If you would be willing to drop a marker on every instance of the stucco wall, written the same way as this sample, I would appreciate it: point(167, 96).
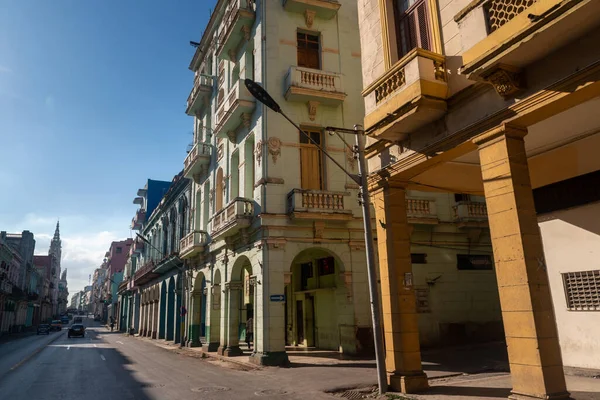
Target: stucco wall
point(572, 243)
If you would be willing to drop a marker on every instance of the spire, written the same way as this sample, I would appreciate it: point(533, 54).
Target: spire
point(57, 231)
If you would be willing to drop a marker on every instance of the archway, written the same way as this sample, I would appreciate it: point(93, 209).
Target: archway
point(198, 312)
point(213, 329)
point(170, 309)
point(242, 305)
point(317, 310)
point(163, 308)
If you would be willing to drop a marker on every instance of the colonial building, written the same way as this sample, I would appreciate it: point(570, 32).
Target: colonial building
point(496, 99)
point(154, 270)
point(276, 227)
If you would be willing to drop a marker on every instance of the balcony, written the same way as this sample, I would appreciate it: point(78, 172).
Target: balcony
point(167, 263)
point(137, 247)
point(232, 218)
point(470, 214)
point(235, 26)
point(325, 9)
point(123, 286)
point(197, 160)
point(138, 220)
point(307, 84)
point(421, 212)
point(235, 110)
point(145, 274)
point(201, 92)
point(193, 244)
point(318, 204)
point(503, 37)
point(409, 96)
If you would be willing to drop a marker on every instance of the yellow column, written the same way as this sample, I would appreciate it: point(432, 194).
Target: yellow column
point(529, 322)
point(400, 319)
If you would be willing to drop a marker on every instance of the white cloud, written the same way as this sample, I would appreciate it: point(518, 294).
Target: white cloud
point(84, 242)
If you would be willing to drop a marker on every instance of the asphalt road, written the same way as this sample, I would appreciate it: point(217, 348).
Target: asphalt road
point(106, 365)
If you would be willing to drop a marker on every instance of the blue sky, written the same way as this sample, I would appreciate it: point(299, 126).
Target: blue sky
point(92, 103)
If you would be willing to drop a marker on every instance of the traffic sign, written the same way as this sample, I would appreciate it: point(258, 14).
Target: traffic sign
point(278, 297)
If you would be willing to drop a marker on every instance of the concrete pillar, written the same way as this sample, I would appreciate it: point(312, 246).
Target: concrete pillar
point(527, 312)
point(213, 319)
point(155, 319)
point(142, 319)
point(269, 313)
point(399, 309)
point(194, 311)
point(234, 294)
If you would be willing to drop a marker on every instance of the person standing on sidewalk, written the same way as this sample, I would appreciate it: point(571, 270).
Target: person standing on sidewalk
point(249, 331)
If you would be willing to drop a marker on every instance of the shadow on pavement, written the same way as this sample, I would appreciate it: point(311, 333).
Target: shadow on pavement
point(470, 360)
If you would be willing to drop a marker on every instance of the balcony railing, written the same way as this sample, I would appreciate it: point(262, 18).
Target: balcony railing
point(145, 273)
point(236, 24)
point(324, 9)
point(138, 220)
point(318, 204)
point(193, 244)
point(407, 97)
point(466, 212)
point(421, 211)
point(236, 215)
point(203, 86)
point(137, 246)
point(236, 109)
point(305, 84)
point(197, 159)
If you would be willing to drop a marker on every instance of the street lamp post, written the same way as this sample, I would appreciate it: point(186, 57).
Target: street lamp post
point(263, 96)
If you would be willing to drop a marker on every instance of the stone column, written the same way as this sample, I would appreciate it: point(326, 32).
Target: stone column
point(399, 309)
point(142, 318)
point(194, 312)
point(213, 319)
point(525, 299)
point(234, 293)
point(269, 313)
point(155, 319)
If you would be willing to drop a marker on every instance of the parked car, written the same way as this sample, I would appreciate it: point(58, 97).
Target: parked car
point(78, 320)
point(56, 325)
point(81, 313)
point(43, 329)
point(64, 320)
point(97, 318)
point(76, 330)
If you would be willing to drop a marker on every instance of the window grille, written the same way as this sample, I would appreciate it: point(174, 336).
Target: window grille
point(582, 290)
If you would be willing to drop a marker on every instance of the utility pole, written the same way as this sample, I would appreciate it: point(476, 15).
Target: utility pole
point(261, 95)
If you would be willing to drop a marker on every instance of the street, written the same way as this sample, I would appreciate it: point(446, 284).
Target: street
point(110, 365)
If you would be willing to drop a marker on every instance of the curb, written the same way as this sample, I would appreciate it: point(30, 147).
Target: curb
point(186, 351)
point(35, 352)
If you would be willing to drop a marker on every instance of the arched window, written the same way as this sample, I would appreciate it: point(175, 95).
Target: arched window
point(183, 218)
point(219, 191)
point(173, 230)
point(165, 237)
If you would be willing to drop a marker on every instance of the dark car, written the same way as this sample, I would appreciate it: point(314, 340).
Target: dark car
point(76, 330)
point(78, 320)
point(43, 328)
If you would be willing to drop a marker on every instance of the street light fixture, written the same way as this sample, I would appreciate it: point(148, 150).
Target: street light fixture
point(263, 96)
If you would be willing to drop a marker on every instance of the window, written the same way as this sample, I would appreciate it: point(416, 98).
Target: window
point(119, 250)
point(474, 262)
point(412, 26)
point(309, 51)
point(311, 161)
point(458, 197)
point(326, 266)
point(418, 258)
point(582, 290)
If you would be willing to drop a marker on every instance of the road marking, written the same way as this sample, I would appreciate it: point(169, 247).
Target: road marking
point(95, 346)
point(68, 347)
point(119, 342)
point(23, 361)
point(102, 357)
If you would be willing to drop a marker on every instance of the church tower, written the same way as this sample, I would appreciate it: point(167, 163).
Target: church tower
point(56, 246)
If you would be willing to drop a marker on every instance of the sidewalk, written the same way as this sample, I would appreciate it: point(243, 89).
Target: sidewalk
point(468, 372)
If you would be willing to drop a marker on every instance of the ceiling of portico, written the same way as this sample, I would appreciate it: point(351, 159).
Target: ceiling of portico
point(558, 148)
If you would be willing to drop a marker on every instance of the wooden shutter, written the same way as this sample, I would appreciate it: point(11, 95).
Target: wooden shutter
point(412, 27)
point(311, 162)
